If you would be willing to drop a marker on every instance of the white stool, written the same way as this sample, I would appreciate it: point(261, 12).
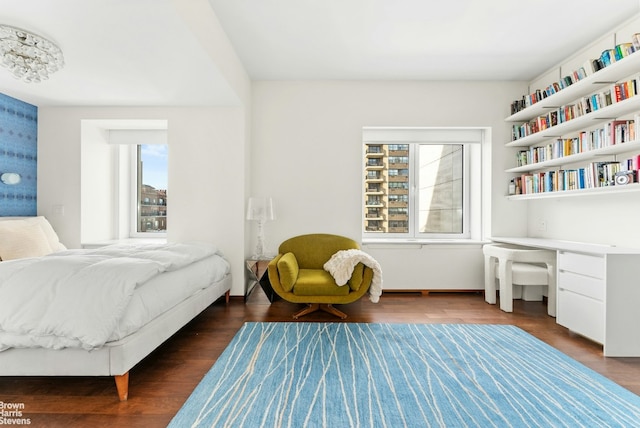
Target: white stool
point(532, 270)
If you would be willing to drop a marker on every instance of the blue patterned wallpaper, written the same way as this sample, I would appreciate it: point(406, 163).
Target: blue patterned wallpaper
point(18, 153)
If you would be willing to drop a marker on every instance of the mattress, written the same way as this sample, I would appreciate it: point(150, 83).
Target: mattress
point(167, 290)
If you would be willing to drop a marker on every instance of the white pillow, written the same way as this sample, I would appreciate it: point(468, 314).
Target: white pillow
point(52, 236)
point(20, 239)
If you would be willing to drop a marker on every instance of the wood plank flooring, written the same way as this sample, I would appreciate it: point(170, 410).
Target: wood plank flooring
point(162, 382)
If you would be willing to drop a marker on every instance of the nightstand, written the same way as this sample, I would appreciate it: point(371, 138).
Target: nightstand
point(256, 272)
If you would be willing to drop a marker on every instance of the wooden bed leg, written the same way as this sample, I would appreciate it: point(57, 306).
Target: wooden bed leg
point(122, 385)
point(227, 296)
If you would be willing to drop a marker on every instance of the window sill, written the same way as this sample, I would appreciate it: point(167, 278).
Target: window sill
point(420, 243)
point(100, 244)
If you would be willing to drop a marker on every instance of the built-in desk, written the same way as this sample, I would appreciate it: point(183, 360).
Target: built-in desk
point(598, 293)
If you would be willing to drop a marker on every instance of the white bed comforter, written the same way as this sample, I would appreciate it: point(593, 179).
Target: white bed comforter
point(74, 298)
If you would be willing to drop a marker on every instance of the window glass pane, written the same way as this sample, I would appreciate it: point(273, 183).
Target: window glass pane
point(152, 188)
point(440, 188)
point(386, 188)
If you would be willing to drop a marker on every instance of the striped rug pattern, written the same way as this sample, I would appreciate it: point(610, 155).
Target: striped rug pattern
point(401, 375)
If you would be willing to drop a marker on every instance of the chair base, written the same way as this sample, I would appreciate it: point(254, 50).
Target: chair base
point(313, 307)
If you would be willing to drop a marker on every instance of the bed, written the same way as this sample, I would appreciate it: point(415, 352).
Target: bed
point(136, 295)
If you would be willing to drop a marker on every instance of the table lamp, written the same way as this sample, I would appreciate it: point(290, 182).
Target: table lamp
point(260, 209)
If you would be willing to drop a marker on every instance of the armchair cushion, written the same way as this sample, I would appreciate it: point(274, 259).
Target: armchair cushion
point(317, 282)
point(288, 270)
point(357, 277)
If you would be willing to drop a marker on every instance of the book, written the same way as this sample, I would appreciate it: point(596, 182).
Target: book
point(581, 178)
point(549, 181)
point(622, 131)
point(635, 40)
point(617, 91)
point(623, 50)
point(598, 64)
point(605, 57)
point(589, 67)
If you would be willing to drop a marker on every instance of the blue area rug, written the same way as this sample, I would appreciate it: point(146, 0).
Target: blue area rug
point(401, 375)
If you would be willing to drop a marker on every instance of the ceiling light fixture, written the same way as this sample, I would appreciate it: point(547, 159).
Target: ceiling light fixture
point(28, 56)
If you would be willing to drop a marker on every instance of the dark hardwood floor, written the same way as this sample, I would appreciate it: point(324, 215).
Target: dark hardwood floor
point(161, 383)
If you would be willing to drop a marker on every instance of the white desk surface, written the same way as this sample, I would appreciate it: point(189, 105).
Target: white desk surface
point(554, 244)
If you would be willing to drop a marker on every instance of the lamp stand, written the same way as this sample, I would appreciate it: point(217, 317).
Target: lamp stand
point(259, 254)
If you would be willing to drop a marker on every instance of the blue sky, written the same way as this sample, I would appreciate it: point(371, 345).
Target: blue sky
point(154, 161)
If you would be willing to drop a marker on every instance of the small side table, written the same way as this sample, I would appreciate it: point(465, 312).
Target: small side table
point(255, 272)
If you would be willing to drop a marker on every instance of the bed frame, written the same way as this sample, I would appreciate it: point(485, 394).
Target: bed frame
point(115, 358)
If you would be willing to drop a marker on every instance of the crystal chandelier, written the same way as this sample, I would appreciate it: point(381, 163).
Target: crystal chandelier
point(28, 56)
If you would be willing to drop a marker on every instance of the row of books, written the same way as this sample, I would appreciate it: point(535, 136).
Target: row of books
point(612, 133)
point(607, 57)
point(540, 94)
point(594, 175)
point(585, 105)
point(623, 90)
point(623, 50)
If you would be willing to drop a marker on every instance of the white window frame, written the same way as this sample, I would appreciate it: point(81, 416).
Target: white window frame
point(471, 139)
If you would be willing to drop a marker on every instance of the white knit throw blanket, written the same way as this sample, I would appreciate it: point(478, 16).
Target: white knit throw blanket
point(341, 266)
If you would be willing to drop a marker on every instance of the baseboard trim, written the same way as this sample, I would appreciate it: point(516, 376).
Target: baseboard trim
point(426, 292)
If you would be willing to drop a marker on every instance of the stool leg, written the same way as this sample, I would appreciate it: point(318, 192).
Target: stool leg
point(489, 280)
point(506, 285)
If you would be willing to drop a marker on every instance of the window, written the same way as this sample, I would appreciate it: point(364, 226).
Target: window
point(123, 177)
point(150, 188)
point(418, 183)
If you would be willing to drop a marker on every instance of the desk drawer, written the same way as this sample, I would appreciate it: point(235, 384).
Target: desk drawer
point(580, 284)
point(581, 314)
point(583, 264)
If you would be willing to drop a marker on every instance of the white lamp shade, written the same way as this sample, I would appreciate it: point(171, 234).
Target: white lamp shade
point(260, 208)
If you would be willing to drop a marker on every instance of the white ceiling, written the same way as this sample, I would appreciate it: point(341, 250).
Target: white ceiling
point(117, 53)
point(140, 52)
point(413, 39)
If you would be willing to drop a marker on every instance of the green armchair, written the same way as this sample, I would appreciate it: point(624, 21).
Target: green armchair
point(297, 274)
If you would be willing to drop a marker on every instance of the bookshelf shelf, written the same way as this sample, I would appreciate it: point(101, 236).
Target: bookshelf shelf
point(579, 192)
point(607, 76)
point(580, 157)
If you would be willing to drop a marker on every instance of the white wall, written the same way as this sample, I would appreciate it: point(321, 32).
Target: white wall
point(307, 154)
point(97, 191)
point(602, 219)
point(206, 173)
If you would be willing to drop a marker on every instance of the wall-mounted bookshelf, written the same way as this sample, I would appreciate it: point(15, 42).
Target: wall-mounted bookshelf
point(590, 102)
